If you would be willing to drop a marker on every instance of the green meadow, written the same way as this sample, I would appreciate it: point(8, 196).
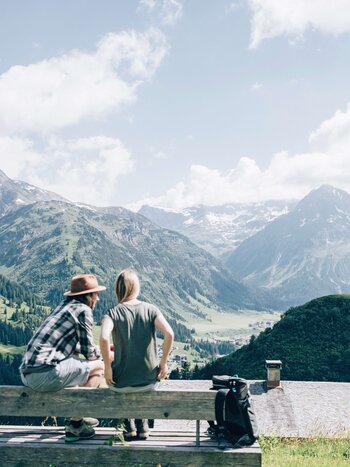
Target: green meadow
point(309, 452)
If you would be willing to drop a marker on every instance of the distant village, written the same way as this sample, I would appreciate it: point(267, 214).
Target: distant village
point(179, 356)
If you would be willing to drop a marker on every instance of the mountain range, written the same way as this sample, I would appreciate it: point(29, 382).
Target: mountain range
point(278, 254)
point(303, 254)
point(44, 243)
point(218, 229)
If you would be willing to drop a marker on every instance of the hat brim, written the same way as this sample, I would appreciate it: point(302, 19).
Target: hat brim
point(100, 288)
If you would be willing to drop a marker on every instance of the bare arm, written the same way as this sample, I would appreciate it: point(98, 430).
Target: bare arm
point(164, 327)
point(106, 329)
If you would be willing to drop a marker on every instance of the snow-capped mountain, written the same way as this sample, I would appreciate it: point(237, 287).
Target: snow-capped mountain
point(218, 229)
point(303, 254)
point(14, 193)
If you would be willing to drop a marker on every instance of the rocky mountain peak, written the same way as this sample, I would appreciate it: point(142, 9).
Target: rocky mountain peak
point(15, 193)
point(324, 202)
point(3, 177)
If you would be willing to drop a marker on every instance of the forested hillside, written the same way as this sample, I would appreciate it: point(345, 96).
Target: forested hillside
point(21, 312)
point(312, 340)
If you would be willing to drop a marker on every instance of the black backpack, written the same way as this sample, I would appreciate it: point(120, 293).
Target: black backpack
point(236, 423)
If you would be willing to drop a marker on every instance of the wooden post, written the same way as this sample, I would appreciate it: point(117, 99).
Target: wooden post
point(198, 425)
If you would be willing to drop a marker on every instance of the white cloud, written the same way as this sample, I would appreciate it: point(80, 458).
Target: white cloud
point(287, 176)
point(62, 91)
point(234, 6)
point(15, 153)
point(333, 135)
point(160, 155)
point(150, 4)
point(256, 86)
point(167, 11)
point(85, 169)
point(291, 18)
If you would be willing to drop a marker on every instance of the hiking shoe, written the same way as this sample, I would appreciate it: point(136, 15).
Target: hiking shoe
point(88, 420)
point(84, 431)
point(130, 429)
point(91, 421)
point(142, 428)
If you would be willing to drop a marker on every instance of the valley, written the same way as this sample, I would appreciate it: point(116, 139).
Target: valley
point(273, 255)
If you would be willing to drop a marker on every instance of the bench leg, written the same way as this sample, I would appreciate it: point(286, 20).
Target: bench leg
point(198, 425)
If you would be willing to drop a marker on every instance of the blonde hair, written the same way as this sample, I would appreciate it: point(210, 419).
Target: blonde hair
point(127, 285)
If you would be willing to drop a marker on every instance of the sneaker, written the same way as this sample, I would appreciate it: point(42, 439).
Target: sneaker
point(142, 428)
point(91, 421)
point(84, 431)
point(88, 420)
point(130, 429)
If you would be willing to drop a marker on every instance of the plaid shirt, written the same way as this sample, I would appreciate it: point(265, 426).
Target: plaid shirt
point(67, 330)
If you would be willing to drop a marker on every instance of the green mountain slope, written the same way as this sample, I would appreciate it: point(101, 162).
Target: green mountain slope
point(43, 244)
point(20, 313)
point(312, 340)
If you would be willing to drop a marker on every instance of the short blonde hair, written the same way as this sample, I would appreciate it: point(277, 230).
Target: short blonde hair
point(127, 285)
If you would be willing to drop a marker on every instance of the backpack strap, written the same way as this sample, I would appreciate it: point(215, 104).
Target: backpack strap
point(220, 407)
point(220, 400)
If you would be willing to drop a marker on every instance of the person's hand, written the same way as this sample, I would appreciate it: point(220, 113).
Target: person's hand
point(163, 371)
point(109, 375)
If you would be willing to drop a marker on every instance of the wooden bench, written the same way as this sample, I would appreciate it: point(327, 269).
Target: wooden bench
point(170, 443)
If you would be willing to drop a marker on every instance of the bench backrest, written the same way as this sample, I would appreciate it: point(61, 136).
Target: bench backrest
point(103, 403)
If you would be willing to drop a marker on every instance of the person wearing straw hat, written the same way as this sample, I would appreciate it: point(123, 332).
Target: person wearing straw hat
point(51, 360)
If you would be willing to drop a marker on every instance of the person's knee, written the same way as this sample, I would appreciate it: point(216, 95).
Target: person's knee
point(97, 372)
point(96, 368)
point(96, 365)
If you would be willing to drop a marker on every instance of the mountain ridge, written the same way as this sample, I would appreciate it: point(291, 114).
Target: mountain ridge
point(218, 229)
point(302, 254)
point(15, 193)
point(44, 244)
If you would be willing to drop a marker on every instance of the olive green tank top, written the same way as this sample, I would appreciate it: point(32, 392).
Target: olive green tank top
point(135, 349)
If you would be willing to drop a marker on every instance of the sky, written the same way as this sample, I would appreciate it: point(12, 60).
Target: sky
point(175, 102)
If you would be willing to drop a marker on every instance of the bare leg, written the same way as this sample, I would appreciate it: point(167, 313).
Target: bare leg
point(96, 374)
point(95, 377)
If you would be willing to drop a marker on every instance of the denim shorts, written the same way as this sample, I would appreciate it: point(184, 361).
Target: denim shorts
point(69, 372)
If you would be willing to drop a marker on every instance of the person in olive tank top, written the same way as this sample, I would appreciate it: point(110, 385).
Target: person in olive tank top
point(135, 365)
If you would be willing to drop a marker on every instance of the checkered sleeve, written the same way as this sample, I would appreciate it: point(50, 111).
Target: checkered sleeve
point(86, 339)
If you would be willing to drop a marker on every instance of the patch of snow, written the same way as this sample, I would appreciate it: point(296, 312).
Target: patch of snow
point(172, 210)
point(189, 221)
point(32, 188)
point(85, 206)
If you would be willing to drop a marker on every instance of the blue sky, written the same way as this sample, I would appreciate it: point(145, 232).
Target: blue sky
point(175, 102)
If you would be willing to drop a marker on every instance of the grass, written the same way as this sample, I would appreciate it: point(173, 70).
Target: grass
point(308, 452)
point(228, 324)
point(11, 349)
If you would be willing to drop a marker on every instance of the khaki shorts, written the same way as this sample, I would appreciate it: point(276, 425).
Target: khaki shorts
point(69, 372)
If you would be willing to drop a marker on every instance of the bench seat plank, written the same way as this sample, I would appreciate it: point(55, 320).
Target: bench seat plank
point(41, 447)
point(103, 403)
point(171, 443)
